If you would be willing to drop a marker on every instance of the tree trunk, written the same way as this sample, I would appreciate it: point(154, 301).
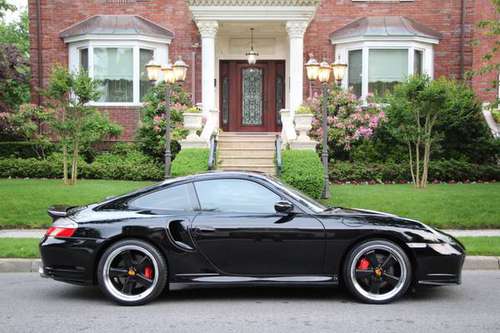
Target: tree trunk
point(65, 164)
point(411, 163)
point(74, 164)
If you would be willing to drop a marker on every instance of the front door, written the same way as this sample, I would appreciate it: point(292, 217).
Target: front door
point(251, 95)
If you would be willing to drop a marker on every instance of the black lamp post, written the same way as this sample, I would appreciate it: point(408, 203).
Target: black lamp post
point(321, 71)
point(171, 74)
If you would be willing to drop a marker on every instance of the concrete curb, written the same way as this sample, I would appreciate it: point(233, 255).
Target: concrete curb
point(17, 265)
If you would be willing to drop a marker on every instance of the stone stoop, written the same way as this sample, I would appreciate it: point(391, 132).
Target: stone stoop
point(246, 152)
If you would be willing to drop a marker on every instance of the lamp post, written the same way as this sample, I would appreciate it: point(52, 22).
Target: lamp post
point(171, 74)
point(321, 71)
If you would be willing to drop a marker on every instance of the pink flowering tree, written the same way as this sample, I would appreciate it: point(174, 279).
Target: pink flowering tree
point(151, 133)
point(349, 120)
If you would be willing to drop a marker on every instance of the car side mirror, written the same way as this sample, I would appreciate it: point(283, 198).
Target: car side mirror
point(283, 207)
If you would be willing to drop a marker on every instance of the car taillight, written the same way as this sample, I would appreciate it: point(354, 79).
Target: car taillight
point(60, 232)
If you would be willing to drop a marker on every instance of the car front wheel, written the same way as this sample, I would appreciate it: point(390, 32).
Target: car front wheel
point(377, 271)
point(132, 272)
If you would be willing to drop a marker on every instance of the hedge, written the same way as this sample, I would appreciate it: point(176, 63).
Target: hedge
point(303, 170)
point(24, 149)
point(439, 171)
point(190, 161)
point(133, 166)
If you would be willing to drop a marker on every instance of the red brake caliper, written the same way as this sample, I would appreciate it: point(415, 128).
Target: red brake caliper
point(148, 272)
point(363, 264)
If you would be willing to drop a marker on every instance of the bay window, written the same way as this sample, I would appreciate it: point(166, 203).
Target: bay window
point(119, 67)
point(376, 68)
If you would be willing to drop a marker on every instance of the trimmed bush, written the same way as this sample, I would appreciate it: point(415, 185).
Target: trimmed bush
point(190, 161)
point(303, 170)
point(24, 149)
point(442, 170)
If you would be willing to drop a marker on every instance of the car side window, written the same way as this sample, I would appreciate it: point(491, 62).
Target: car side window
point(171, 198)
point(236, 196)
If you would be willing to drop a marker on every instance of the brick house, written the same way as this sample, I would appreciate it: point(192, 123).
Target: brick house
point(382, 41)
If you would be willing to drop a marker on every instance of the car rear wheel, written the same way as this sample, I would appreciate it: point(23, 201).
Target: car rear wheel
point(377, 272)
point(132, 272)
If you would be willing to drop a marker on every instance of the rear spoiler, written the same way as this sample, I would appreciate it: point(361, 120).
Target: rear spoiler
point(58, 211)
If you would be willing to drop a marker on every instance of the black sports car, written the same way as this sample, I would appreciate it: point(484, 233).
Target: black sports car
point(241, 228)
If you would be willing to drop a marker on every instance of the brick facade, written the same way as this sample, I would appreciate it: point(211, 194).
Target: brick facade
point(451, 55)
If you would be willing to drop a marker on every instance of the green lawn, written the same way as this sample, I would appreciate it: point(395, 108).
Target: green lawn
point(23, 203)
point(28, 247)
point(461, 206)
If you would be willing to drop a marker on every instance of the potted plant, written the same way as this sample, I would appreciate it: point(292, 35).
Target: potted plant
point(193, 121)
point(303, 122)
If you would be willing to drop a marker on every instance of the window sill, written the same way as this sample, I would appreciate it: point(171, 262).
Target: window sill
point(116, 104)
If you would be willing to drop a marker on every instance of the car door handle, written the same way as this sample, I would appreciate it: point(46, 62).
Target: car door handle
point(204, 229)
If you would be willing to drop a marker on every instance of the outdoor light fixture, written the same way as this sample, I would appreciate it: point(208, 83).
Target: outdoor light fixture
point(312, 69)
point(153, 70)
point(171, 74)
point(251, 55)
point(322, 73)
point(339, 70)
point(180, 70)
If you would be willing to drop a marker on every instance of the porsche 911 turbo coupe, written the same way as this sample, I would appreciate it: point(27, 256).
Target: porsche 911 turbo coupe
point(241, 229)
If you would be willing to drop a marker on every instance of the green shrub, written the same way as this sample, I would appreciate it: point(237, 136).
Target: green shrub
point(132, 166)
point(442, 170)
point(190, 161)
point(303, 170)
point(25, 149)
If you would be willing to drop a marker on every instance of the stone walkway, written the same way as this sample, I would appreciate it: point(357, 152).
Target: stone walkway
point(38, 233)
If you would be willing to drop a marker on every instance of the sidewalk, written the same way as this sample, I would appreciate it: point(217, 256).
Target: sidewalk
point(38, 233)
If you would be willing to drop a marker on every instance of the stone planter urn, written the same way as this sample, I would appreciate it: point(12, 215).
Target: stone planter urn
point(303, 123)
point(193, 121)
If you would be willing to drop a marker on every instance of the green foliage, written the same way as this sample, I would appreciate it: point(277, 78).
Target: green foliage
point(132, 165)
point(25, 149)
point(151, 133)
point(496, 115)
point(303, 170)
point(439, 171)
point(77, 124)
point(190, 161)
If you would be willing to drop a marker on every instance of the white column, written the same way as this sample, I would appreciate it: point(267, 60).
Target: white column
point(208, 30)
point(296, 30)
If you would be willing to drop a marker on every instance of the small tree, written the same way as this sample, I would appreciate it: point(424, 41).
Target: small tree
point(76, 123)
point(415, 110)
point(151, 133)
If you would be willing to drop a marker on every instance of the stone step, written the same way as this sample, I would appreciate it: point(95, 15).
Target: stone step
point(270, 170)
point(246, 152)
point(246, 144)
point(238, 160)
point(246, 138)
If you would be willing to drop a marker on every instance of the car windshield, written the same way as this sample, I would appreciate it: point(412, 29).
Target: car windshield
point(299, 196)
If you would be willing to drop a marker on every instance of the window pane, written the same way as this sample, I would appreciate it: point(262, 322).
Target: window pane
point(417, 63)
point(252, 103)
point(174, 198)
point(355, 71)
point(114, 68)
point(386, 68)
point(235, 195)
point(84, 59)
point(145, 56)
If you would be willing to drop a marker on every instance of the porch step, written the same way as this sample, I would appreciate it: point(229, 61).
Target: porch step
point(246, 152)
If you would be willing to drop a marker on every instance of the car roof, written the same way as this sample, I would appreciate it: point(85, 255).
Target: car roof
point(217, 174)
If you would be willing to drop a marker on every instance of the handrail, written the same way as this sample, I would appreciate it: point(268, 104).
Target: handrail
point(278, 155)
point(212, 152)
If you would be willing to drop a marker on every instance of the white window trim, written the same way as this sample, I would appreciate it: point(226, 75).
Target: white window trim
point(342, 51)
point(160, 55)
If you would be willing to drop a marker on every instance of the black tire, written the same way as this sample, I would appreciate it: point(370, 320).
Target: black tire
point(375, 284)
point(137, 286)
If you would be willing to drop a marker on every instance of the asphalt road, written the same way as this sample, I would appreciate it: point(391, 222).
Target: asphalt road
point(32, 304)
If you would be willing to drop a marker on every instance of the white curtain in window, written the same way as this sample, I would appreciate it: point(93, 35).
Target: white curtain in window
point(387, 65)
point(113, 63)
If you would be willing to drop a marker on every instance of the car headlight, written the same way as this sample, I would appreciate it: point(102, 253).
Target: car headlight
point(443, 248)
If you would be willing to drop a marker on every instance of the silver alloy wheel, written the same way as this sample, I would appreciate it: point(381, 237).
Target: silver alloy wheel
point(112, 288)
point(396, 289)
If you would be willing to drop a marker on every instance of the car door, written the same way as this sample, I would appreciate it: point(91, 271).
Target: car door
point(239, 231)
